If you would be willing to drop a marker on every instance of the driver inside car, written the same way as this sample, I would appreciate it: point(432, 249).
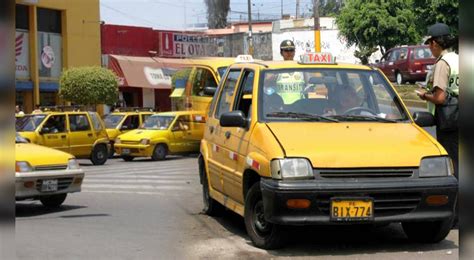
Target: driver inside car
point(343, 99)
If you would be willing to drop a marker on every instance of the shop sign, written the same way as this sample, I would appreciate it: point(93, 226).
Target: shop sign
point(156, 76)
point(22, 61)
point(184, 45)
point(50, 56)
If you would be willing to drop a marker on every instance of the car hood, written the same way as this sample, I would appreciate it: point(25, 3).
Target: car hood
point(138, 134)
point(40, 155)
point(353, 145)
point(112, 133)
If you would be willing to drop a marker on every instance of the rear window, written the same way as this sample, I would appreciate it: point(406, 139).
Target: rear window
point(422, 53)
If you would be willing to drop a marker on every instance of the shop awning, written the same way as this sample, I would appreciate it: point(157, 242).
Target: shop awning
point(144, 72)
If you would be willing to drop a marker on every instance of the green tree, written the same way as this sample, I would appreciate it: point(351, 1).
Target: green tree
point(89, 86)
point(377, 23)
point(429, 12)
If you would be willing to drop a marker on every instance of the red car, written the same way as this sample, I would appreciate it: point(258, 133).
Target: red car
point(406, 63)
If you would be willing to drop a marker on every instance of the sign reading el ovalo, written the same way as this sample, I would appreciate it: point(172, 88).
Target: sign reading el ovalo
point(49, 55)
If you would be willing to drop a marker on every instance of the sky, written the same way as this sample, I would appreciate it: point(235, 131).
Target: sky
point(174, 14)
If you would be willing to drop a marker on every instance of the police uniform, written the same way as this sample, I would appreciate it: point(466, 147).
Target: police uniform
point(289, 86)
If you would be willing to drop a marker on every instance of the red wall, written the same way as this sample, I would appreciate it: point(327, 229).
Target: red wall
point(128, 40)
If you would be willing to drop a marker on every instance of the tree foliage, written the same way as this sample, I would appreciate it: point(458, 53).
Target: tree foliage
point(429, 12)
point(89, 86)
point(217, 11)
point(378, 23)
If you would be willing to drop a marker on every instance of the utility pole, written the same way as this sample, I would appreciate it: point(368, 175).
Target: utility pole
point(184, 10)
point(250, 28)
point(317, 32)
point(281, 6)
point(297, 8)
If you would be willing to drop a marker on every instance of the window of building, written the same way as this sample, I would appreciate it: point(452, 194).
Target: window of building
point(21, 17)
point(49, 20)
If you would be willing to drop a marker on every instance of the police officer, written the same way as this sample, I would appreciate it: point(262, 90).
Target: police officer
point(444, 79)
point(287, 50)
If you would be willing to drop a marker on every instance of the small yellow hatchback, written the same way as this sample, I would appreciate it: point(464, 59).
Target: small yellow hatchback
point(165, 133)
point(81, 134)
point(315, 142)
point(118, 123)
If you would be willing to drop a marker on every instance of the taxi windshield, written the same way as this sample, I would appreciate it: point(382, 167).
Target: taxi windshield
point(29, 123)
point(329, 95)
point(157, 122)
point(112, 121)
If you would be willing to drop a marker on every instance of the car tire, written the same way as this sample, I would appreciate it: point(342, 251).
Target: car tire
point(399, 78)
point(263, 234)
point(159, 153)
point(427, 232)
point(211, 206)
point(99, 154)
point(53, 201)
point(127, 158)
point(112, 151)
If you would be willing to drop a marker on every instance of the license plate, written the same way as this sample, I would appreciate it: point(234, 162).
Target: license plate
point(125, 151)
point(352, 209)
point(49, 185)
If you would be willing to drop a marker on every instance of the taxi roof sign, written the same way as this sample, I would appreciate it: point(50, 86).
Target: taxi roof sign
point(244, 58)
point(317, 58)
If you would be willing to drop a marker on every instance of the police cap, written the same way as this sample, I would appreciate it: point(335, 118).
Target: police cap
point(436, 30)
point(287, 45)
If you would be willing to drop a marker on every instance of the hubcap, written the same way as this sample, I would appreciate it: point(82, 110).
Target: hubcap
point(261, 224)
point(399, 78)
point(100, 155)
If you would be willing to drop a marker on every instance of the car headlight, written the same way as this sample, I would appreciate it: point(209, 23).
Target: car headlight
point(23, 167)
point(145, 141)
point(291, 168)
point(72, 164)
point(436, 167)
point(117, 140)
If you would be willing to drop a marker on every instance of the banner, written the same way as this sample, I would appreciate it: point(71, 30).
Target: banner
point(50, 55)
point(22, 61)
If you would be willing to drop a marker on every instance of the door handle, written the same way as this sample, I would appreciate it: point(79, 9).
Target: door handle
point(63, 136)
point(211, 129)
point(90, 135)
point(227, 134)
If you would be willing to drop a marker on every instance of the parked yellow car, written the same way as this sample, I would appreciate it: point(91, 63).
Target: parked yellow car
point(118, 123)
point(162, 134)
point(82, 134)
point(315, 142)
point(45, 174)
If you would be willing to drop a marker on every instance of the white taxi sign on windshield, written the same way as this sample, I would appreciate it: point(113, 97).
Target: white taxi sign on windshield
point(317, 58)
point(244, 58)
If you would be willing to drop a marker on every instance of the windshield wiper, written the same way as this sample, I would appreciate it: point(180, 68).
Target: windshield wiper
point(304, 116)
point(365, 118)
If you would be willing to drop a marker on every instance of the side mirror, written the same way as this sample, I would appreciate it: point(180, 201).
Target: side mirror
point(44, 130)
point(233, 119)
point(424, 119)
point(209, 91)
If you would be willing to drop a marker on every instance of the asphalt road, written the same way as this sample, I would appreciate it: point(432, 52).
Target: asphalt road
point(152, 210)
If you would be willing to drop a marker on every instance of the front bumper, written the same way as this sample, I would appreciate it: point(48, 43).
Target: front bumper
point(394, 200)
point(134, 150)
point(68, 181)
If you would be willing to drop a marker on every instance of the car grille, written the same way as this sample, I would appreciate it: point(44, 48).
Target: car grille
point(63, 183)
point(51, 167)
point(130, 142)
point(366, 173)
point(385, 204)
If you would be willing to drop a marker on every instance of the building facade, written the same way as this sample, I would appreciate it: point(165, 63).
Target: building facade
point(52, 36)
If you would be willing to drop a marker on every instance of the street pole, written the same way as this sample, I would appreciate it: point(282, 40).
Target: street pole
point(297, 8)
point(250, 28)
point(281, 7)
point(317, 32)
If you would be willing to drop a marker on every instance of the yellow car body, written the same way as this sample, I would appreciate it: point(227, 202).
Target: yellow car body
point(197, 74)
point(313, 161)
point(44, 173)
point(81, 134)
point(162, 134)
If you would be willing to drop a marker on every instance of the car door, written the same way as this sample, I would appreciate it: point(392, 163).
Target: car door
point(81, 136)
point(214, 134)
point(203, 77)
point(236, 139)
point(180, 130)
point(198, 123)
point(53, 133)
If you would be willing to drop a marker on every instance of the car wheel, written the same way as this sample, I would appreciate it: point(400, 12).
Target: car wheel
point(99, 154)
point(159, 153)
point(427, 232)
point(399, 78)
point(53, 201)
point(211, 206)
point(112, 151)
point(127, 158)
point(262, 233)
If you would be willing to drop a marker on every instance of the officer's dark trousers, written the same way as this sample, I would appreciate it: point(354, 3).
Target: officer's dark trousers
point(450, 142)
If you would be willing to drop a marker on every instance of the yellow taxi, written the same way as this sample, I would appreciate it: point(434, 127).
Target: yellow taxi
point(81, 134)
point(122, 121)
point(45, 174)
point(162, 134)
point(196, 81)
point(316, 142)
